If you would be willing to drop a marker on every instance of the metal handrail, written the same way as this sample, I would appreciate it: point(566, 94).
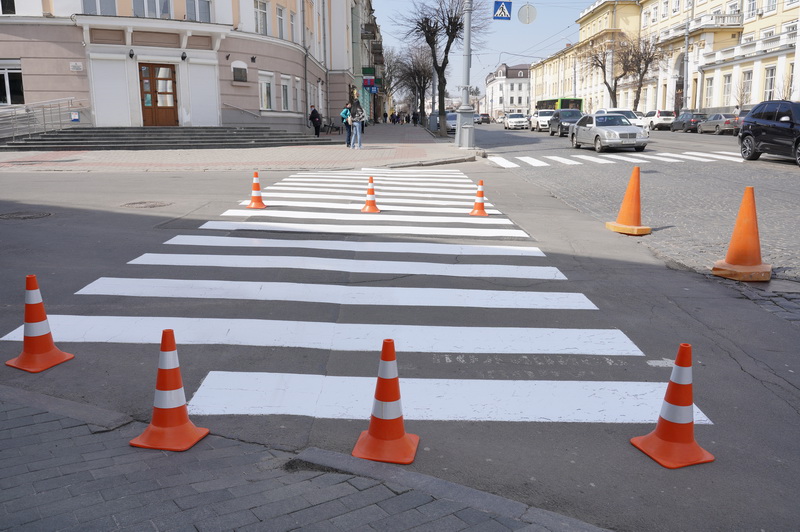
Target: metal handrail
point(254, 115)
point(40, 117)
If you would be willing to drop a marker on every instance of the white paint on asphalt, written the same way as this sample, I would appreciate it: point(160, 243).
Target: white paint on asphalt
point(593, 159)
point(717, 156)
point(501, 161)
point(351, 265)
point(533, 162)
point(385, 206)
point(360, 216)
point(666, 159)
point(691, 157)
point(358, 247)
point(562, 160)
point(626, 158)
point(270, 195)
point(382, 186)
point(366, 229)
point(381, 178)
point(395, 194)
point(338, 336)
point(330, 397)
point(336, 294)
point(663, 363)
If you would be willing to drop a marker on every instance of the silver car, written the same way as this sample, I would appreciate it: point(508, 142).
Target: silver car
point(540, 120)
point(607, 131)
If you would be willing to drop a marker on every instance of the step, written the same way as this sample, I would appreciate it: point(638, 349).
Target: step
point(158, 146)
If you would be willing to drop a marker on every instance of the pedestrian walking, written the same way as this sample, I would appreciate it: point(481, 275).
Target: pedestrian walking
point(358, 116)
point(315, 119)
point(736, 111)
point(385, 117)
point(347, 121)
point(415, 118)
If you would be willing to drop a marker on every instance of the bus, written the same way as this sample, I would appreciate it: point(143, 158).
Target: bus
point(561, 103)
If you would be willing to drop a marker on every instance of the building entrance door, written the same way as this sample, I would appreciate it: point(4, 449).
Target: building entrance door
point(159, 94)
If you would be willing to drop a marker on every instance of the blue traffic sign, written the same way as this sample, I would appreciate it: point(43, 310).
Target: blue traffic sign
point(502, 10)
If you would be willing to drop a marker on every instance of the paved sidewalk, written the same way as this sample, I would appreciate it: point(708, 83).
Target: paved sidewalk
point(383, 145)
point(68, 466)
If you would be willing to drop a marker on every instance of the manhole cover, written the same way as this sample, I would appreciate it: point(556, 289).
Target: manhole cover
point(146, 204)
point(23, 215)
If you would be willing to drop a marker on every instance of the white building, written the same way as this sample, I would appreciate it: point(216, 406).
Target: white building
point(508, 91)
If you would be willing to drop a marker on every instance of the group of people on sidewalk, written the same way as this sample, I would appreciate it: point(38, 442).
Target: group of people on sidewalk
point(353, 117)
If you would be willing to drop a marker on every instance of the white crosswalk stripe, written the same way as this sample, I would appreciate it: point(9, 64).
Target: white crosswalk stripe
point(593, 159)
point(667, 158)
point(505, 163)
point(562, 160)
point(626, 158)
point(533, 162)
point(717, 156)
point(604, 158)
point(691, 157)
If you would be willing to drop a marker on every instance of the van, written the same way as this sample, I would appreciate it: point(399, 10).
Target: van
point(659, 119)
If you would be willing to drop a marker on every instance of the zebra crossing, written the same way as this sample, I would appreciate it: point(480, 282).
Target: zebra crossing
point(316, 249)
point(612, 158)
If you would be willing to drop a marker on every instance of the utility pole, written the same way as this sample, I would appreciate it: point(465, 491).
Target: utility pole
point(465, 128)
point(689, 18)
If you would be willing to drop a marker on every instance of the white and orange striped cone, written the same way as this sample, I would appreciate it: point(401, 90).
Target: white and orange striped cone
point(370, 205)
point(477, 209)
point(38, 350)
point(387, 440)
point(672, 444)
point(170, 428)
point(256, 201)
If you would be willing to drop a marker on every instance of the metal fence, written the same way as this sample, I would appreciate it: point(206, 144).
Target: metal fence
point(17, 121)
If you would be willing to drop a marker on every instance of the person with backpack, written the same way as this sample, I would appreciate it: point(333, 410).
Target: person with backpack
point(347, 121)
point(316, 120)
point(358, 116)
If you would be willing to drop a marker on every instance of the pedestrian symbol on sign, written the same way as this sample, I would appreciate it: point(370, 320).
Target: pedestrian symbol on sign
point(502, 10)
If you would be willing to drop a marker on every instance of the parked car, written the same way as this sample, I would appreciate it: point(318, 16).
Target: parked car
point(476, 119)
point(605, 131)
point(516, 121)
point(452, 121)
point(540, 119)
point(501, 119)
point(485, 118)
point(632, 117)
point(719, 124)
point(687, 122)
point(560, 121)
point(771, 127)
point(659, 119)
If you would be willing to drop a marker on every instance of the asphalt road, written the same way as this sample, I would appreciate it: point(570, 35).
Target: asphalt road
point(745, 374)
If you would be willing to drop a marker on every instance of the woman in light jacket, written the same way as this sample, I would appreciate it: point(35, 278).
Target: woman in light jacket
point(359, 116)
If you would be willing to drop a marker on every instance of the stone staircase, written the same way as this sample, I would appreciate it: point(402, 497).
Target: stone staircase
point(160, 138)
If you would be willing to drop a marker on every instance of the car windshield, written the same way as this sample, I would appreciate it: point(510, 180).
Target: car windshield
point(628, 114)
point(451, 116)
point(545, 113)
point(699, 116)
point(571, 113)
point(516, 115)
point(612, 120)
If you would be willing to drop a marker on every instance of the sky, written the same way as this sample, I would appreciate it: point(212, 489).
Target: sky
point(508, 41)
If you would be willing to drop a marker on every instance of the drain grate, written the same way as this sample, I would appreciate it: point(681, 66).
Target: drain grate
point(24, 215)
point(146, 204)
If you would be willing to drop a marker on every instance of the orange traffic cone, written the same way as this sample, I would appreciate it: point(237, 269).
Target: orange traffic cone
point(370, 205)
point(743, 260)
point(477, 208)
point(256, 201)
point(672, 444)
point(387, 440)
point(629, 219)
point(170, 429)
point(38, 350)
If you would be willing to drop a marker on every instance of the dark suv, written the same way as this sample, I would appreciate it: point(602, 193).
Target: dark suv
point(561, 119)
point(771, 127)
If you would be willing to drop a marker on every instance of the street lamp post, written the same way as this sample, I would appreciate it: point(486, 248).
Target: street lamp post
point(465, 128)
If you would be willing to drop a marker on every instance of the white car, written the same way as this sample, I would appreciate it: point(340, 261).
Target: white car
point(516, 121)
point(659, 119)
point(452, 121)
point(540, 121)
point(634, 119)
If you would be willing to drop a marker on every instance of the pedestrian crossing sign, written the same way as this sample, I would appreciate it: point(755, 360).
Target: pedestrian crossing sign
point(502, 10)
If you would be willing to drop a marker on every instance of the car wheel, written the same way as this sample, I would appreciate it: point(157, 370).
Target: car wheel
point(797, 154)
point(748, 149)
point(685, 128)
point(551, 132)
point(672, 128)
point(652, 126)
point(598, 146)
point(638, 148)
point(574, 140)
point(699, 129)
point(717, 130)
point(561, 133)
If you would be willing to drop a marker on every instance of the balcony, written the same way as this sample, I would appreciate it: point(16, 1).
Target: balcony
point(703, 23)
point(768, 44)
point(369, 31)
point(377, 47)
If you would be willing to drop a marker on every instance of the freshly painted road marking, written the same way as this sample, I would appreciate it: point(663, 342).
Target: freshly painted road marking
point(732, 153)
point(626, 158)
point(659, 158)
point(358, 247)
point(593, 159)
point(691, 157)
point(382, 186)
point(393, 194)
point(366, 229)
point(336, 294)
point(338, 336)
point(269, 195)
point(562, 160)
point(343, 216)
point(329, 397)
point(417, 181)
point(351, 265)
point(717, 156)
point(505, 163)
point(533, 162)
point(384, 206)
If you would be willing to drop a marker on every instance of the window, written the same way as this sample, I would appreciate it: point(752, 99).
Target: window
point(750, 9)
point(297, 85)
point(784, 111)
point(665, 11)
point(152, 8)
point(747, 86)
point(280, 22)
point(262, 17)
point(7, 7)
point(750, 37)
point(726, 89)
point(292, 28)
point(511, 100)
point(769, 83)
point(790, 82)
point(11, 84)
point(265, 90)
point(709, 91)
point(199, 10)
point(239, 69)
point(770, 5)
point(285, 94)
point(790, 27)
point(768, 32)
point(95, 7)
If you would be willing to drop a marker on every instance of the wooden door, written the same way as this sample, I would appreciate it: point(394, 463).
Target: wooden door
point(159, 94)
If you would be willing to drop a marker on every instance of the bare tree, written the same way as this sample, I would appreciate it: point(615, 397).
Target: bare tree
point(391, 66)
point(607, 57)
point(414, 74)
point(638, 57)
point(440, 24)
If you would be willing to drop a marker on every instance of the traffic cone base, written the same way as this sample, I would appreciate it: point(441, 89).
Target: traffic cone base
point(760, 272)
point(370, 208)
point(400, 451)
point(669, 454)
point(633, 230)
point(38, 362)
point(170, 438)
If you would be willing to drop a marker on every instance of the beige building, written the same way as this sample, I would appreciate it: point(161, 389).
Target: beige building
point(508, 90)
point(739, 52)
point(190, 62)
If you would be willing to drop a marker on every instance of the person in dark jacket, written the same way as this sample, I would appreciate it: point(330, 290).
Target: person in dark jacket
point(345, 114)
point(315, 119)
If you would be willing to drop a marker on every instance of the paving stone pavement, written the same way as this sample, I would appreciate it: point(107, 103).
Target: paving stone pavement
point(66, 466)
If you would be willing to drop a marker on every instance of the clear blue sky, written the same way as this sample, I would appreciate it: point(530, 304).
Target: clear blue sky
point(510, 42)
